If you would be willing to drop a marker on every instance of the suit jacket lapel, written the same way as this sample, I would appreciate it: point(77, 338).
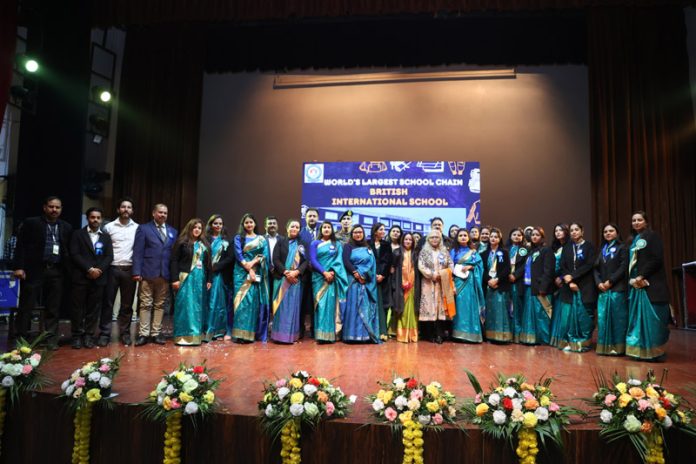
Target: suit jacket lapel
point(88, 241)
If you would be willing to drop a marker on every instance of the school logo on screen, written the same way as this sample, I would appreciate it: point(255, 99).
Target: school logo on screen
point(314, 173)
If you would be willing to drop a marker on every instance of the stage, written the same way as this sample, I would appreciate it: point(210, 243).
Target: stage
point(40, 429)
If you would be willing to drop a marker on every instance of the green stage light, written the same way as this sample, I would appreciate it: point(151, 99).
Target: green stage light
point(31, 65)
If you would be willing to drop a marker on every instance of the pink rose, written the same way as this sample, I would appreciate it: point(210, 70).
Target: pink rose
point(104, 368)
point(280, 383)
point(390, 414)
point(175, 404)
point(477, 398)
point(609, 399)
point(330, 408)
point(26, 369)
point(553, 407)
point(36, 357)
point(527, 395)
point(417, 394)
point(643, 405)
point(80, 382)
point(203, 378)
point(437, 419)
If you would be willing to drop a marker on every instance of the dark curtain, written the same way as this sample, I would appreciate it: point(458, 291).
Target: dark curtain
point(8, 34)
point(129, 12)
point(158, 122)
point(642, 126)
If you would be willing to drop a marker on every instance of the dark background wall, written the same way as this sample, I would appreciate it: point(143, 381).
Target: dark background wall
point(530, 135)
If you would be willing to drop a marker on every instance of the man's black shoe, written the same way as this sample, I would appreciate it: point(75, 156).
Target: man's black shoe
point(89, 342)
point(159, 339)
point(126, 339)
point(103, 340)
point(140, 341)
point(77, 343)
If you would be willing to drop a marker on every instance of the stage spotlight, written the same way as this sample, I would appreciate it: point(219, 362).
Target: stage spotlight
point(28, 64)
point(102, 95)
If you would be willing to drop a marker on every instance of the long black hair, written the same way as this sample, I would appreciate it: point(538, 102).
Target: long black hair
point(209, 226)
point(556, 244)
point(332, 237)
point(241, 232)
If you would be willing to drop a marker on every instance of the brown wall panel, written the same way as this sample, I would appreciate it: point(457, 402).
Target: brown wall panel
point(530, 135)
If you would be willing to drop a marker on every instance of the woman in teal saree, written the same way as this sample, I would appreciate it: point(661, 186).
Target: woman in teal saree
point(470, 301)
point(222, 259)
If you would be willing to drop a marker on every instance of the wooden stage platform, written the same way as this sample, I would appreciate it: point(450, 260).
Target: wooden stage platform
point(40, 430)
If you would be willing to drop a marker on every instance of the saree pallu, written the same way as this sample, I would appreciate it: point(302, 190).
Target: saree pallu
point(190, 301)
point(329, 298)
point(360, 319)
point(466, 325)
point(572, 325)
point(287, 298)
point(535, 319)
point(612, 323)
point(406, 322)
point(251, 298)
point(498, 325)
point(218, 297)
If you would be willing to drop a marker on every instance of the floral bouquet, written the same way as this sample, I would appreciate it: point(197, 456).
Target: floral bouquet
point(408, 403)
point(288, 403)
point(90, 383)
point(187, 391)
point(20, 370)
point(517, 409)
point(640, 410)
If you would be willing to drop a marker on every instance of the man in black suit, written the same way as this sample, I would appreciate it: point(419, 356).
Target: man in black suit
point(41, 263)
point(91, 252)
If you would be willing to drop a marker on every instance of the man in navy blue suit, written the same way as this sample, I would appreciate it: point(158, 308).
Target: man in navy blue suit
point(152, 249)
point(307, 235)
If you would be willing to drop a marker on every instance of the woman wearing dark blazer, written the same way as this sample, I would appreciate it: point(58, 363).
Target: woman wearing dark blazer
point(383, 255)
point(539, 286)
point(518, 258)
point(648, 300)
point(190, 272)
point(498, 326)
point(572, 323)
point(610, 279)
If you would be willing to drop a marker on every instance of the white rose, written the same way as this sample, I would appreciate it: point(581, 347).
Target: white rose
point(494, 399)
point(423, 419)
point(190, 385)
point(105, 360)
point(161, 386)
point(269, 410)
point(499, 417)
point(667, 422)
point(34, 362)
point(160, 400)
point(296, 409)
point(397, 381)
point(634, 382)
point(353, 399)
point(309, 390)
point(542, 414)
point(282, 392)
point(16, 370)
point(401, 386)
point(7, 381)
point(105, 382)
point(94, 376)
point(509, 392)
point(517, 403)
point(311, 409)
point(6, 368)
point(377, 405)
point(400, 402)
point(605, 416)
point(191, 408)
point(304, 373)
point(170, 390)
point(414, 404)
point(65, 385)
point(69, 391)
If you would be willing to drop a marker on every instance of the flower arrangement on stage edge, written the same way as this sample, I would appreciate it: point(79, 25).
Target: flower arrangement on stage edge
point(409, 404)
point(186, 391)
point(640, 410)
point(515, 409)
point(20, 370)
point(300, 399)
point(88, 385)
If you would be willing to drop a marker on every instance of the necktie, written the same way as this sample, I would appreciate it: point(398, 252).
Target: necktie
point(163, 232)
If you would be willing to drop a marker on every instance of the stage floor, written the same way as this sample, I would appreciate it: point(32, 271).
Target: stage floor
point(356, 368)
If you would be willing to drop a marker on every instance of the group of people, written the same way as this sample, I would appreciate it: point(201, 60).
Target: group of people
point(466, 285)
